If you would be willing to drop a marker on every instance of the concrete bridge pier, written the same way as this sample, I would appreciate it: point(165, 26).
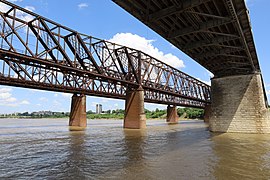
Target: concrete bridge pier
point(207, 113)
point(172, 116)
point(134, 109)
point(77, 118)
point(239, 105)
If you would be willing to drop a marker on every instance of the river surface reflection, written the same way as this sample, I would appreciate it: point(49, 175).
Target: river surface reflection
point(46, 149)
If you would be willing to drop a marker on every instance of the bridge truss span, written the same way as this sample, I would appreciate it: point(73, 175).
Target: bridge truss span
point(38, 53)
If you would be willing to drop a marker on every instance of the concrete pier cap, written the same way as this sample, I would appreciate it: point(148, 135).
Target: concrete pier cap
point(77, 118)
point(238, 104)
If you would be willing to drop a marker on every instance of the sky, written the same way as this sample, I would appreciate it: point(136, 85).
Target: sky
point(105, 20)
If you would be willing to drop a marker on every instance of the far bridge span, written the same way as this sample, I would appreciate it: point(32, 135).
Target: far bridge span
point(38, 53)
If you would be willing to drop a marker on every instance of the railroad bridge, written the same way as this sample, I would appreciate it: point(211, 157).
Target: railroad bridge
point(38, 53)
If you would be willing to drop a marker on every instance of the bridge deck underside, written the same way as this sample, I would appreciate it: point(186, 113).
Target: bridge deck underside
point(215, 33)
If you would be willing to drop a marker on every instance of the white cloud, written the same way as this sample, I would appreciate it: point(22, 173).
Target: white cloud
point(43, 99)
point(67, 95)
point(268, 92)
point(82, 5)
point(5, 95)
point(30, 8)
point(4, 7)
point(5, 90)
point(140, 43)
point(6, 98)
point(24, 102)
point(20, 14)
point(11, 99)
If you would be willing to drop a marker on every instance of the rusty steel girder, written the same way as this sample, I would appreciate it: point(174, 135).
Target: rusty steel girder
point(38, 53)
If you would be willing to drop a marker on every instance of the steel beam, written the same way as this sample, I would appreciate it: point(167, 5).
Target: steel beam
point(202, 26)
point(215, 40)
point(239, 28)
point(185, 4)
point(214, 53)
point(206, 15)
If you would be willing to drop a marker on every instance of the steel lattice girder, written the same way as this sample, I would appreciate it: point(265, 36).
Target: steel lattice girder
point(39, 53)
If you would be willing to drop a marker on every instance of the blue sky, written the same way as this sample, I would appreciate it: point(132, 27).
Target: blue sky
point(105, 20)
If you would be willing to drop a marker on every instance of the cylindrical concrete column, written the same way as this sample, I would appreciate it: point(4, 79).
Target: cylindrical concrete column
point(172, 116)
point(134, 109)
point(77, 118)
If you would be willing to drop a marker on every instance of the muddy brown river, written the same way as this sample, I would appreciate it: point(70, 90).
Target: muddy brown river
point(46, 149)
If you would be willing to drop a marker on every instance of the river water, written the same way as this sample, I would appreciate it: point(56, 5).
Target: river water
point(46, 149)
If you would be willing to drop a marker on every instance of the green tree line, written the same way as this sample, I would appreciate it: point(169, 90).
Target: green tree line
point(189, 113)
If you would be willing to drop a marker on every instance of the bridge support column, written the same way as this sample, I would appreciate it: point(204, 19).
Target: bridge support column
point(207, 113)
point(77, 118)
point(172, 116)
point(238, 105)
point(134, 109)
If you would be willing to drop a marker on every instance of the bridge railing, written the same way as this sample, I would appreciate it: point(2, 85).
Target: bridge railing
point(38, 53)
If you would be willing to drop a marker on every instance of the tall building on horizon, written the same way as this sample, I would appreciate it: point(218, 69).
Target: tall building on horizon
point(98, 108)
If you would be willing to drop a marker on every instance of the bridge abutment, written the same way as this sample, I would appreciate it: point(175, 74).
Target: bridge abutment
point(172, 116)
point(134, 109)
point(77, 118)
point(238, 105)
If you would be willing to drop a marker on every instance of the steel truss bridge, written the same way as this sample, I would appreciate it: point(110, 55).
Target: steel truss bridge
point(38, 53)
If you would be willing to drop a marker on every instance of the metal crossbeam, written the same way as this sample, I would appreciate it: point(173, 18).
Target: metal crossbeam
point(183, 5)
point(42, 54)
point(210, 54)
point(199, 27)
point(214, 41)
